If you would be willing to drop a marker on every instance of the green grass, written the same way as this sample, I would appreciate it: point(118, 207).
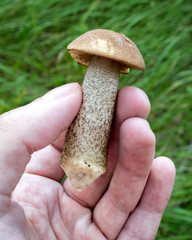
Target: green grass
point(34, 59)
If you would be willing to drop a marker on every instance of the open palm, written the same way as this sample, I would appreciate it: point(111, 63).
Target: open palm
point(127, 202)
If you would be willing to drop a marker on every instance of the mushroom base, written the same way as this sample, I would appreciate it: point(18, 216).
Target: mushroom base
point(81, 174)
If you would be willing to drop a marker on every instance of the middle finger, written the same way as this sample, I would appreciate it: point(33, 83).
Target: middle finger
point(136, 152)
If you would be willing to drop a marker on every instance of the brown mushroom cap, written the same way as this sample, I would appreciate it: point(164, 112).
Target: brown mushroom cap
point(108, 44)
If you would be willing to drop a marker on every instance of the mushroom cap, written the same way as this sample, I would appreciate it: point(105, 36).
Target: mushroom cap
point(108, 44)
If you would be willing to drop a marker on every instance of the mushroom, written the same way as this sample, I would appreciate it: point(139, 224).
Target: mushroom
point(107, 54)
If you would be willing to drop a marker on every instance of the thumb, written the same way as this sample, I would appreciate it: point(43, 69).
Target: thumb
point(32, 127)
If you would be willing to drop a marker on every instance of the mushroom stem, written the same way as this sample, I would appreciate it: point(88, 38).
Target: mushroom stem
point(84, 156)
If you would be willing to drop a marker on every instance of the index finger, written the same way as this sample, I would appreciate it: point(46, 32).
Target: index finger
point(131, 102)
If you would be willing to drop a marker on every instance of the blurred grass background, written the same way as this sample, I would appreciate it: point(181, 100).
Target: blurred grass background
point(34, 59)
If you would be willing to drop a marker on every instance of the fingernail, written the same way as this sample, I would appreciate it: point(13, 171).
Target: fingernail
point(62, 91)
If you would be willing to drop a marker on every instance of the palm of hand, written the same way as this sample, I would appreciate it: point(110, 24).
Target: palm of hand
point(52, 213)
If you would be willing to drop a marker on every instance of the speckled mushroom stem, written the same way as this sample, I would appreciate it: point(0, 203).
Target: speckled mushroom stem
point(84, 156)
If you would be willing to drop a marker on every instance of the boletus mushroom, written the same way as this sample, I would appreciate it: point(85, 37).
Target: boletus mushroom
point(107, 54)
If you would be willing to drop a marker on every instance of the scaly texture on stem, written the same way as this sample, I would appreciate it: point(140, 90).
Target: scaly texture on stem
point(84, 156)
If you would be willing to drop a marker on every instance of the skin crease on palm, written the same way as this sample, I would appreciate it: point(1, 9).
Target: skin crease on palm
point(127, 202)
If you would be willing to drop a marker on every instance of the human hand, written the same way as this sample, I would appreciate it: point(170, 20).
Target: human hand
point(127, 202)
